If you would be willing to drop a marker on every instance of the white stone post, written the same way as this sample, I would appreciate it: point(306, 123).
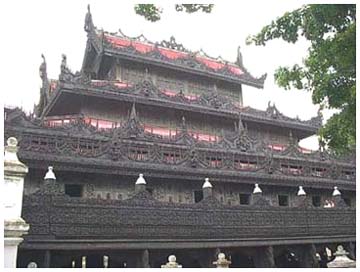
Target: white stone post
point(171, 263)
point(14, 225)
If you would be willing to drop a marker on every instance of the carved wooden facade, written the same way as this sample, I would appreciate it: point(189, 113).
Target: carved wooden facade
point(87, 124)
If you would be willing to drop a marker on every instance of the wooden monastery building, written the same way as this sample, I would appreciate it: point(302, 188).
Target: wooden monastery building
point(153, 153)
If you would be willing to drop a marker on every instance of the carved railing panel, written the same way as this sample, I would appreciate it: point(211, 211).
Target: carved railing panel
point(137, 218)
point(171, 151)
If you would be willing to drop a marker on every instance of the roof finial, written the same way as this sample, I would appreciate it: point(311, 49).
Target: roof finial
point(42, 69)
point(239, 60)
point(183, 122)
point(240, 126)
point(88, 26)
point(146, 73)
point(63, 62)
point(133, 114)
point(215, 90)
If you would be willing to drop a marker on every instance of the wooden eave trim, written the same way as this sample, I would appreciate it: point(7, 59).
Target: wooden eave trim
point(93, 165)
point(176, 67)
point(102, 244)
point(188, 107)
point(61, 133)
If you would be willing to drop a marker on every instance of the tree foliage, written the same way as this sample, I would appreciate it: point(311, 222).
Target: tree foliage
point(152, 12)
point(329, 70)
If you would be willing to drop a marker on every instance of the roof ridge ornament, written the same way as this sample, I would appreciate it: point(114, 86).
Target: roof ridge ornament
point(44, 90)
point(172, 44)
point(239, 59)
point(43, 69)
point(89, 25)
point(133, 114)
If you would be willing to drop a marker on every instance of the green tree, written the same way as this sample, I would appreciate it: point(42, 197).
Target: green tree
point(329, 70)
point(152, 12)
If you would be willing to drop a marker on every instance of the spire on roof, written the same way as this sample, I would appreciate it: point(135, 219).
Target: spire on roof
point(183, 123)
point(240, 126)
point(239, 60)
point(133, 114)
point(88, 26)
point(42, 69)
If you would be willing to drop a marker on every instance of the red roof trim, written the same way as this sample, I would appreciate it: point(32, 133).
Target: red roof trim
point(143, 47)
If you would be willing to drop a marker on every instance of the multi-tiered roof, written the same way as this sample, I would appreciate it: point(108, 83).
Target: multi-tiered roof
point(78, 143)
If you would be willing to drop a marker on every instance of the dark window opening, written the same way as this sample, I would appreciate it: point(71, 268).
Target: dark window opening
point(108, 196)
point(244, 199)
point(119, 196)
point(180, 199)
point(198, 196)
point(170, 199)
point(73, 190)
point(98, 196)
point(283, 200)
point(318, 172)
point(348, 174)
point(347, 201)
point(150, 190)
point(316, 201)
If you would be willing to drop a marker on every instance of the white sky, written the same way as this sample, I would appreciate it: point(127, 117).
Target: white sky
point(30, 28)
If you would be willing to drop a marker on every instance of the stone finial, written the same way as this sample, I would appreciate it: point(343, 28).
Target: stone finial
point(32, 265)
point(341, 259)
point(140, 184)
point(301, 191)
point(222, 262)
point(140, 180)
point(171, 263)
point(50, 175)
point(106, 261)
point(257, 189)
point(11, 160)
point(207, 188)
point(336, 192)
point(207, 184)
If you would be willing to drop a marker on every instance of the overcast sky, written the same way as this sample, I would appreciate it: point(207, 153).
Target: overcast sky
point(30, 28)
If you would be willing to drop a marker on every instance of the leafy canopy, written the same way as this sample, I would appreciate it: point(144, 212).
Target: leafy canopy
point(329, 70)
point(153, 13)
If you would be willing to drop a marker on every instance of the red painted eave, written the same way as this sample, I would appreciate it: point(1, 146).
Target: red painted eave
point(143, 47)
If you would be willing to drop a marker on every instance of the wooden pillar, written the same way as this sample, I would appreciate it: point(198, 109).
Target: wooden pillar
point(47, 259)
point(307, 256)
point(143, 260)
point(207, 256)
point(264, 257)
